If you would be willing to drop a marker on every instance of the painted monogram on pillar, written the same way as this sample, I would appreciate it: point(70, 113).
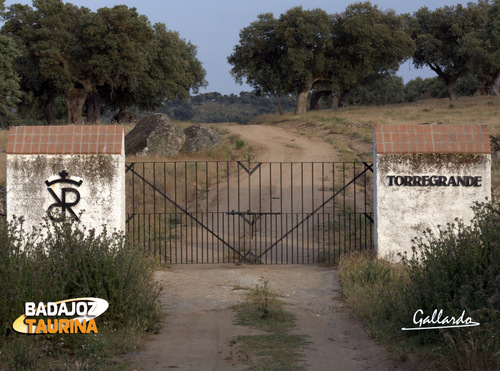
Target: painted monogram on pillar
point(63, 203)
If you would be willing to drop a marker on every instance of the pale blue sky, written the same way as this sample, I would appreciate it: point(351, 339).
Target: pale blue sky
point(213, 26)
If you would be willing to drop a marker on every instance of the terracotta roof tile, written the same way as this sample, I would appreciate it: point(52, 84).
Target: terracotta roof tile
point(432, 138)
point(71, 139)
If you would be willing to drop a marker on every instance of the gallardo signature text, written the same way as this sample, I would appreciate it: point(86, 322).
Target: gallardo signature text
point(437, 321)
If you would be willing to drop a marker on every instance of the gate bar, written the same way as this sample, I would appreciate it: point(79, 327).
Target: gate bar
point(367, 167)
point(182, 209)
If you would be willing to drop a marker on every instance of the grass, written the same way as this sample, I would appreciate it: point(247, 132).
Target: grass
point(359, 121)
point(277, 349)
point(350, 130)
point(73, 263)
point(454, 270)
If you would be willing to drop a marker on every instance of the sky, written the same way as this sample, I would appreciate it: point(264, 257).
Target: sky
point(214, 26)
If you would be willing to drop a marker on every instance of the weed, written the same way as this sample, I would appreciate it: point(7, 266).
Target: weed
point(240, 143)
point(330, 141)
point(271, 351)
point(455, 270)
point(71, 262)
point(277, 350)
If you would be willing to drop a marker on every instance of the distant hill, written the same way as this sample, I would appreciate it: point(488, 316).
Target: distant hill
point(215, 107)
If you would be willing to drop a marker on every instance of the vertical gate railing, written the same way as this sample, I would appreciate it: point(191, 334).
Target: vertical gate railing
point(255, 212)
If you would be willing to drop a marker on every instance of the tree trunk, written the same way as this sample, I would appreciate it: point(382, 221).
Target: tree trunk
point(302, 96)
point(75, 100)
point(93, 104)
point(344, 98)
point(335, 100)
point(278, 99)
point(48, 109)
point(495, 86)
point(316, 96)
point(481, 88)
point(450, 85)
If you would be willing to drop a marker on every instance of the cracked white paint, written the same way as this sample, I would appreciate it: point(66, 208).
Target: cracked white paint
point(404, 212)
point(102, 191)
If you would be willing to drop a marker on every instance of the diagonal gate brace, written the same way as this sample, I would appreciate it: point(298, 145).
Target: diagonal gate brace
point(193, 218)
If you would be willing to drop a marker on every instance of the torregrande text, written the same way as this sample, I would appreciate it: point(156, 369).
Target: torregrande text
point(433, 181)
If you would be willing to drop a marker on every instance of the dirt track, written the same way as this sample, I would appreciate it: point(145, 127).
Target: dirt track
point(197, 298)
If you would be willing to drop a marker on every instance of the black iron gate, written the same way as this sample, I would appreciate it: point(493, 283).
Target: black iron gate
point(254, 212)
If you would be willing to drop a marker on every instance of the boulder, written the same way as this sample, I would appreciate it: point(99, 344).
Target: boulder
point(154, 134)
point(199, 138)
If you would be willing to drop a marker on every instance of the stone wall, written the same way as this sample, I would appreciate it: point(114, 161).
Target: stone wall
point(426, 186)
point(83, 180)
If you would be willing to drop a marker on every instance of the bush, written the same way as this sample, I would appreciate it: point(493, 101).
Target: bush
point(456, 270)
point(459, 270)
point(71, 262)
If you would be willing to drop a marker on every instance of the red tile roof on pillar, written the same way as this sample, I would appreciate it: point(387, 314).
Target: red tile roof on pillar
point(65, 140)
point(432, 138)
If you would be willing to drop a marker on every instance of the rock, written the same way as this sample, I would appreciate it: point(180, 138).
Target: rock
point(495, 148)
point(124, 117)
point(199, 138)
point(154, 134)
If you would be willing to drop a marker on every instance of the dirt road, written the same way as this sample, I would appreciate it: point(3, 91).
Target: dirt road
point(277, 145)
point(197, 298)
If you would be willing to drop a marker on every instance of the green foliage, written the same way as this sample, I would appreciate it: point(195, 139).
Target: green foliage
point(70, 263)
point(483, 48)
point(240, 143)
point(115, 51)
point(419, 88)
point(277, 350)
point(252, 59)
point(271, 351)
point(304, 47)
point(443, 39)
point(172, 71)
point(9, 81)
point(215, 107)
point(384, 90)
point(456, 270)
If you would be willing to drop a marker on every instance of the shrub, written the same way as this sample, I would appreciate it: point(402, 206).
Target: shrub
point(459, 269)
point(72, 262)
point(454, 270)
point(240, 143)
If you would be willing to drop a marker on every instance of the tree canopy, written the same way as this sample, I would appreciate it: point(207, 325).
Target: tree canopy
point(80, 53)
point(444, 39)
point(9, 81)
point(306, 47)
point(172, 71)
point(483, 49)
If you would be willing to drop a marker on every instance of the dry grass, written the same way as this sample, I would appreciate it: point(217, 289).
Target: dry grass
point(350, 130)
point(466, 110)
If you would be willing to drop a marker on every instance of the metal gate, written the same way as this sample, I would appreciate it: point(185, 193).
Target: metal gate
point(249, 212)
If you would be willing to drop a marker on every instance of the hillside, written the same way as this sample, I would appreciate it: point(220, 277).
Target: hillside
point(350, 130)
point(215, 107)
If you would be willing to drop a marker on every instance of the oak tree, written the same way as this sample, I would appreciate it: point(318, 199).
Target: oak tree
point(307, 47)
point(72, 51)
point(440, 36)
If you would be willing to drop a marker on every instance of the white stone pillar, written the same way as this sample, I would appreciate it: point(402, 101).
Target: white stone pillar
point(71, 171)
point(426, 176)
